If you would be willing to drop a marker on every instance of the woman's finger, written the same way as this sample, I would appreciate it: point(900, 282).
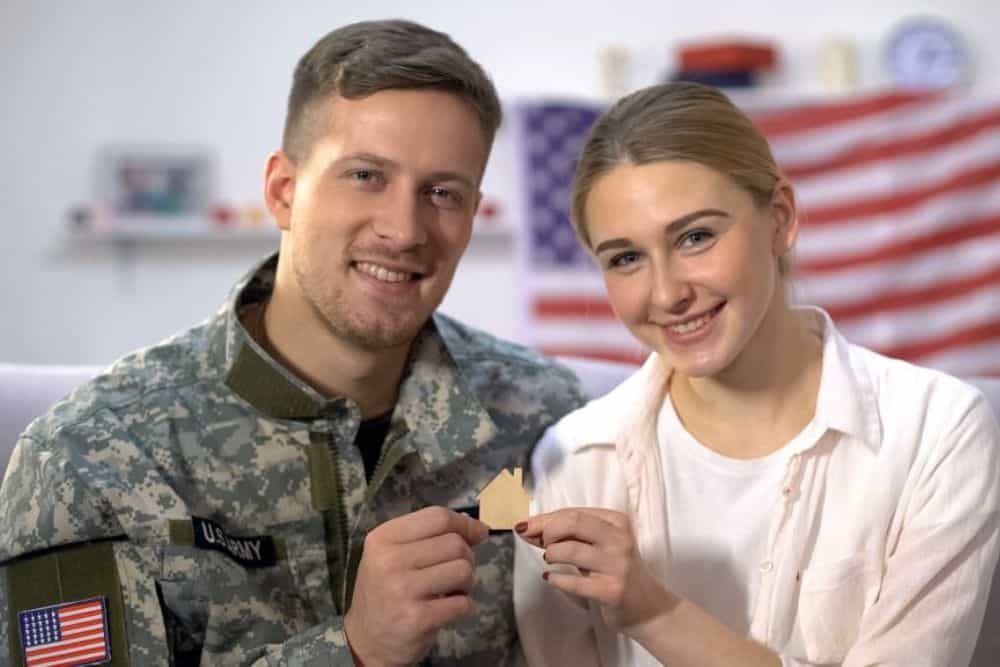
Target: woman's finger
point(592, 587)
point(585, 557)
point(580, 524)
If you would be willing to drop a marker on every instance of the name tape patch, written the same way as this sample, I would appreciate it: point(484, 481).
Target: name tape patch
point(68, 635)
point(257, 551)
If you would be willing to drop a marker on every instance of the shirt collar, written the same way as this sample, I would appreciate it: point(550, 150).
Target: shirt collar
point(846, 394)
point(436, 403)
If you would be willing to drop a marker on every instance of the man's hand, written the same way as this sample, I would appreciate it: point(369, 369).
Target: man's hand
point(415, 576)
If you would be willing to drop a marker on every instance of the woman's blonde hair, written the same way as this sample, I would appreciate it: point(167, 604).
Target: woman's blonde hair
point(676, 121)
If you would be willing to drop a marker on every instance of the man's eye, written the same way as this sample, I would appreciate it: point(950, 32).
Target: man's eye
point(444, 198)
point(365, 176)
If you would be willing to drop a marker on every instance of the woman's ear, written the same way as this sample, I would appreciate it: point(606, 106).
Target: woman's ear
point(786, 217)
point(279, 188)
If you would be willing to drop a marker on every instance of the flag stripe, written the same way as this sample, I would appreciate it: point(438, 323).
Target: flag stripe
point(973, 360)
point(866, 207)
point(916, 350)
point(81, 629)
point(825, 143)
point(914, 272)
point(61, 648)
point(813, 117)
point(980, 228)
point(603, 353)
point(884, 330)
point(572, 306)
point(875, 182)
point(906, 146)
point(855, 236)
point(80, 659)
point(889, 301)
point(77, 610)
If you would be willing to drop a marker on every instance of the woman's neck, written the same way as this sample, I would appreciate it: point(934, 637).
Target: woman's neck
point(763, 399)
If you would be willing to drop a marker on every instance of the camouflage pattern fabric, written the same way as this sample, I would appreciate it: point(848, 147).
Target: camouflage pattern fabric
point(207, 425)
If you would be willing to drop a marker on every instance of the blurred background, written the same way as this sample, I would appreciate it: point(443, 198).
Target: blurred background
point(135, 136)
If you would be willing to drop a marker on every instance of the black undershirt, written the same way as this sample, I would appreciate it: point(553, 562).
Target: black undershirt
point(371, 434)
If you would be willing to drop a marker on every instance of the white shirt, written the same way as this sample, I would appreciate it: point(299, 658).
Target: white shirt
point(718, 570)
point(881, 544)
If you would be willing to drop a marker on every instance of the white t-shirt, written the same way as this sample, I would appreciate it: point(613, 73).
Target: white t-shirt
point(718, 510)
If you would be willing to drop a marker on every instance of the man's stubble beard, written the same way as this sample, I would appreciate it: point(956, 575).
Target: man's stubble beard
point(376, 334)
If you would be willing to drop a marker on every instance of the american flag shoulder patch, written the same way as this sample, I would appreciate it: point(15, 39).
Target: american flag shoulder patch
point(72, 634)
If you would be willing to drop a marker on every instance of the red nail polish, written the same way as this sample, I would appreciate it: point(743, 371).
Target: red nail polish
point(521, 527)
point(545, 576)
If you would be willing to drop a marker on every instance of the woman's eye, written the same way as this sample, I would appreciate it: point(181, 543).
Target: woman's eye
point(623, 259)
point(696, 237)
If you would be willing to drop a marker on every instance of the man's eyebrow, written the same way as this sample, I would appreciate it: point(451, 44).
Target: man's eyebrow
point(373, 158)
point(672, 227)
point(386, 163)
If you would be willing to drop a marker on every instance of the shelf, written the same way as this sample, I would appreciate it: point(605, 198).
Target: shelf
point(481, 232)
point(140, 236)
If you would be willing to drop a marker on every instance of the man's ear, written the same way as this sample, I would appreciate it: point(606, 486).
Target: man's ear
point(786, 217)
point(279, 188)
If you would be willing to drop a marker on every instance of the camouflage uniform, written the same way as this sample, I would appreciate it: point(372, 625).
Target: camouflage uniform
point(113, 483)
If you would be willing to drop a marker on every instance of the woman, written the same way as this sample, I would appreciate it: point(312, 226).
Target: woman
point(760, 492)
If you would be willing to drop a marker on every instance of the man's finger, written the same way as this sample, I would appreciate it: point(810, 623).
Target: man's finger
point(440, 611)
point(438, 549)
point(449, 578)
point(431, 522)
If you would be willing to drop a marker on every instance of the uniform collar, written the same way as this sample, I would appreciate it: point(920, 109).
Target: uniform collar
point(846, 396)
point(255, 375)
point(436, 403)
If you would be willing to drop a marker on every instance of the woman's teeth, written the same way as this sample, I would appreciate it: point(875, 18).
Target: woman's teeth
point(694, 325)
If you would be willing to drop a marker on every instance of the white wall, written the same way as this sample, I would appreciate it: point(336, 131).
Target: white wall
point(79, 75)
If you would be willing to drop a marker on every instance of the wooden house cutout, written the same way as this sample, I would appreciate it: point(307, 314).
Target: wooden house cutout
point(503, 503)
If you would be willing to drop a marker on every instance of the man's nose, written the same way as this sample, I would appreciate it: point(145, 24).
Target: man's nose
point(400, 222)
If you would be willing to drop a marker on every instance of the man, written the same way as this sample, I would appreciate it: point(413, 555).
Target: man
point(278, 485)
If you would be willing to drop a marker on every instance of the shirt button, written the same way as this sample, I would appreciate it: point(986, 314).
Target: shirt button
point(766, 566)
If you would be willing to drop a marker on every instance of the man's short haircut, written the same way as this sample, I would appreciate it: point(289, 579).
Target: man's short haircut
point(367, 57)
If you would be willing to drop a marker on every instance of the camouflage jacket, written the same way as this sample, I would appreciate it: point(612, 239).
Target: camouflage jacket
point(218, 504)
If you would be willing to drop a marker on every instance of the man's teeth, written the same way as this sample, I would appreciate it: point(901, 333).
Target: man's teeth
point(382, 273)
point(693, 325)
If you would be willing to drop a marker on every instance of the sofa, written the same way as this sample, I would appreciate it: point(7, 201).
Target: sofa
point(27, 390)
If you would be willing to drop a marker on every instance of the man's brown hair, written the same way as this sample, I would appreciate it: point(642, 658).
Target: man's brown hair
point(367, 57)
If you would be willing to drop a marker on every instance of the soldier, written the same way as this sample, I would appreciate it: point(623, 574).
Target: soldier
point(279, 484)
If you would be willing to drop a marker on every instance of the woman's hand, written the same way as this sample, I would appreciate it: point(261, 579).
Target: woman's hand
point(599, 543)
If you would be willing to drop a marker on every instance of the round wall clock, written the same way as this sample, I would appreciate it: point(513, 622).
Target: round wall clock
point(926, 53)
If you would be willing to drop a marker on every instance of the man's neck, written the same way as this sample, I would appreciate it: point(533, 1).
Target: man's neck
point(330, 365)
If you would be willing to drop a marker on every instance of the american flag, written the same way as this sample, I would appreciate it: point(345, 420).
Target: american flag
point(899, 196)
point(65, 635)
